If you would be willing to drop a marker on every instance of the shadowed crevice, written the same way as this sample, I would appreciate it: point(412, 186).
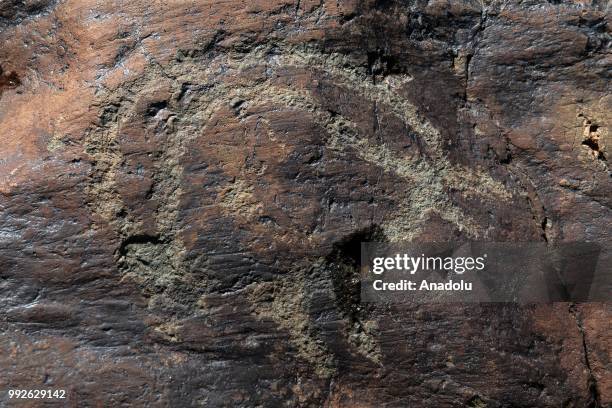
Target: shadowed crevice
point(594, 397)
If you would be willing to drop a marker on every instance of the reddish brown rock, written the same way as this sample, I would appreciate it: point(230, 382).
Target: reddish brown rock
point(184, 186)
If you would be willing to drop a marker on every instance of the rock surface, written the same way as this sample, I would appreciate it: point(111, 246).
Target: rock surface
point(184, 187)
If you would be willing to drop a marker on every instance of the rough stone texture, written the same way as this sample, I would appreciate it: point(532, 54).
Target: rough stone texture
point(184, 186)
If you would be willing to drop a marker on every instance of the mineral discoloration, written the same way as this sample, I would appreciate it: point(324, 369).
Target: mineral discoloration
point(183, 190)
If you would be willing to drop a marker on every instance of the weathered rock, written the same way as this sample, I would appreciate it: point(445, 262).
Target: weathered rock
point(184, 187)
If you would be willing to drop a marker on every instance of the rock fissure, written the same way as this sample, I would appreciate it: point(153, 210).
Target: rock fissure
point(594, 399)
